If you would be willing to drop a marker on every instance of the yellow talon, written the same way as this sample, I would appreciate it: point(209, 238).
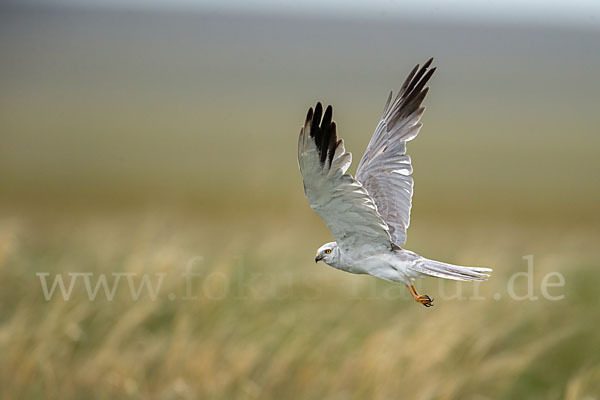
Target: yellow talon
point(420, 298)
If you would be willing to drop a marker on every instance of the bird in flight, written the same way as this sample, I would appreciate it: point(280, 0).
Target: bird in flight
point(369, 214)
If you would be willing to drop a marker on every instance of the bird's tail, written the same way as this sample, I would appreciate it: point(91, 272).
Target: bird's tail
point(450, 271)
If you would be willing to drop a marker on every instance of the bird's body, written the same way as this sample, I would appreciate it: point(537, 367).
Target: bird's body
point(399, 265)
point(394, 266)
point(369, 215)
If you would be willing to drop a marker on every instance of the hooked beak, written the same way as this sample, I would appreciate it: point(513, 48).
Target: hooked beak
point(318, 258)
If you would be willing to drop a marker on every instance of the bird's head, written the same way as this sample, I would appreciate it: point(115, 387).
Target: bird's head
point(327, 253)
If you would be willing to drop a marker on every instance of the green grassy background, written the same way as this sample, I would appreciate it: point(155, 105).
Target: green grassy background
point(137, 141)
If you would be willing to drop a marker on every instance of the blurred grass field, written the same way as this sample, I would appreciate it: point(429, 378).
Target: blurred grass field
point(144, 143)
point(269, 323)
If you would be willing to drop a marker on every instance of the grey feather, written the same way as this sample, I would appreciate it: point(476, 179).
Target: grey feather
point(385, 169)
point(340, 200)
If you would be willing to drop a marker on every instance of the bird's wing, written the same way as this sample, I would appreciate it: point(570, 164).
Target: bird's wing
point(339, 199)
point(385, 168)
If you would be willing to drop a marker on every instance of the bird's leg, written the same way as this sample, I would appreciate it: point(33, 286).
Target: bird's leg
point(420, 298)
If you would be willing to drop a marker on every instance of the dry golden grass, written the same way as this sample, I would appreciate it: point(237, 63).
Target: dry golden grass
point(269, 323)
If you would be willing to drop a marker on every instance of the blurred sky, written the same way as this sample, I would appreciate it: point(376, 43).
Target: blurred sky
point(152, 102)
point(567, 13)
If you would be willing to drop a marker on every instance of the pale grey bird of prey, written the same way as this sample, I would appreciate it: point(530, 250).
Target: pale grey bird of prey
point(369, 214)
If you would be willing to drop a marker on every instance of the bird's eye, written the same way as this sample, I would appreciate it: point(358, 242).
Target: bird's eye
point(328, 251)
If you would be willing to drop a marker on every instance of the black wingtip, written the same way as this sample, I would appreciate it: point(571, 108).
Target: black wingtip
point(412, 92)
point(428, 63)
point(330, 144)
point(316, 120)
point(318, 113)
point(323, 131)
point(309, 115)
point(327, 116)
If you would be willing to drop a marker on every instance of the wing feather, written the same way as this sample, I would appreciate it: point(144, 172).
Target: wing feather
point(340, 200)
point(385, 169)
